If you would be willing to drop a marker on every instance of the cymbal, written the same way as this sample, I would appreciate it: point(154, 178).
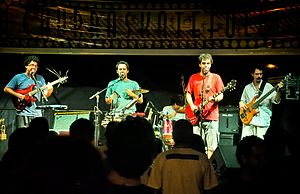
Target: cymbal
point(140, 91)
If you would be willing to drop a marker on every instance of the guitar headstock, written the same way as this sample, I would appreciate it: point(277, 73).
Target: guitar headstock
point(287, 78)
point(62, 80)
point(231, 85)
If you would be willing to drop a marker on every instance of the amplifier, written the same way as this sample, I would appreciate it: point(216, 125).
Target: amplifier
point(63, 120)
point(229, 121)
point(229, 139)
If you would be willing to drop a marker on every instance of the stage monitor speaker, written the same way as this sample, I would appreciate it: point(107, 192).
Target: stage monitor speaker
point(63, 120)
point(229, 121)
point(228, 139)
point(224, 158)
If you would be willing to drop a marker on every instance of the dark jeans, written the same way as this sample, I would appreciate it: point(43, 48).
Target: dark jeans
point(23, 121)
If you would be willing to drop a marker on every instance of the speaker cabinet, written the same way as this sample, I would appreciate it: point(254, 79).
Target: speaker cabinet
point(229, 138)
point(63, 120)
point(224, 158)
point(229, 121)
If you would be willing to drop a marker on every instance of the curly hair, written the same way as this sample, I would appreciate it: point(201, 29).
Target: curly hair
point(28, 59)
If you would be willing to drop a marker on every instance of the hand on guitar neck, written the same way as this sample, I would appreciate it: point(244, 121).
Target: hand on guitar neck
point(25, 97)
point(248, 111)
point(197, 108)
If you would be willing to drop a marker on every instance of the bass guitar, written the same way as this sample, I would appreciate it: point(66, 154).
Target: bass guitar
point(29, 94)
point(247, 114)
point(193, 116)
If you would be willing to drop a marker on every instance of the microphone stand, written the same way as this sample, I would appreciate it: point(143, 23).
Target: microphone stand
point(200, 119)
point(97, 112)
point(43, 96)
point(104, 89)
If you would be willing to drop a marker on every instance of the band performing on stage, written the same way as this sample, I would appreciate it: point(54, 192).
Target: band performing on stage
point(198, 102)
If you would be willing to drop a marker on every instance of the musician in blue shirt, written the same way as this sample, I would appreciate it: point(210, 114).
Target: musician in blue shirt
point(25, 88)
point(120, 92)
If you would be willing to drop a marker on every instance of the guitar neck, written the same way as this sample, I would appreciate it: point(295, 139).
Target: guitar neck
point(214, 96)
point(255, 105)
point(229, 86)
point(33, 92)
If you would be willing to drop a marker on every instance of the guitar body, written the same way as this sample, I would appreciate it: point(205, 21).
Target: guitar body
point(247, 115)
point(29, 93)
point(27, 101)
point(193, 117)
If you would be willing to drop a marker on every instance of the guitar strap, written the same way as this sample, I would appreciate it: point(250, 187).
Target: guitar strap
point(208, 83)
point(261, 88)
point(208, 87)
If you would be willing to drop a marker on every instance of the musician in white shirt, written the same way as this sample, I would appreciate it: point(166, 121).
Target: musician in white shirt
point(260, 122)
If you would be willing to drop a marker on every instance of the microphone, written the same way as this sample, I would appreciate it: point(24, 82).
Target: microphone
point(122, 76)
point(33, 77)
point(205, 70)
point(31, 72)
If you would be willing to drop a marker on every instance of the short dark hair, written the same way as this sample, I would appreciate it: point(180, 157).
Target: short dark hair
point(30, 58)
point(257, 66)
point(131, 146)
point(82, 128)
point(178, 99)
point(244, 147)
point(182, 132)
point(122, 62)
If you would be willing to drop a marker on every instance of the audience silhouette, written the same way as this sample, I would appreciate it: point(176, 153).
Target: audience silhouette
point(182, 169)
point(130, 152)
point(252, 176)
point(133, 161)
point(83, 129)
point(62, 164)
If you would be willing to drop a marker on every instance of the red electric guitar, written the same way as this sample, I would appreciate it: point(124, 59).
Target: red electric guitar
point(29, 94)
point(193, 117)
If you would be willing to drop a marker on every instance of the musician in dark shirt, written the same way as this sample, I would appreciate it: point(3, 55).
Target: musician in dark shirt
point(20, 86)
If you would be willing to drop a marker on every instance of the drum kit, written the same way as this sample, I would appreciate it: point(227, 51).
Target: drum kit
point(161, 123)
point(119, 116)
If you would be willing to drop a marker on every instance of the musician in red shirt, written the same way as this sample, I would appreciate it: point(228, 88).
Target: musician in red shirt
point(200, 95)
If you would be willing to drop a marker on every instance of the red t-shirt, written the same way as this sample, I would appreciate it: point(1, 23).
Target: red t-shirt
point(212, 85)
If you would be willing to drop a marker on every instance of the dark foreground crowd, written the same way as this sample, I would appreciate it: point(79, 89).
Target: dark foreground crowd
point(39, 160)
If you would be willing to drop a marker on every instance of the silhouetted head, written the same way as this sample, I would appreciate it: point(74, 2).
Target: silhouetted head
point(83, 129)
point(131, 147)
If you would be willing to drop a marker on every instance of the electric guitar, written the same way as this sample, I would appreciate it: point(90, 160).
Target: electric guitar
point(246, 115)
point(29, 94)
point(193, 116)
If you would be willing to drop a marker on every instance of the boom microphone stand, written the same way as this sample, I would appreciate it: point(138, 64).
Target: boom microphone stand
point(200, 119)
point(98, 112)
point(43, 97)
